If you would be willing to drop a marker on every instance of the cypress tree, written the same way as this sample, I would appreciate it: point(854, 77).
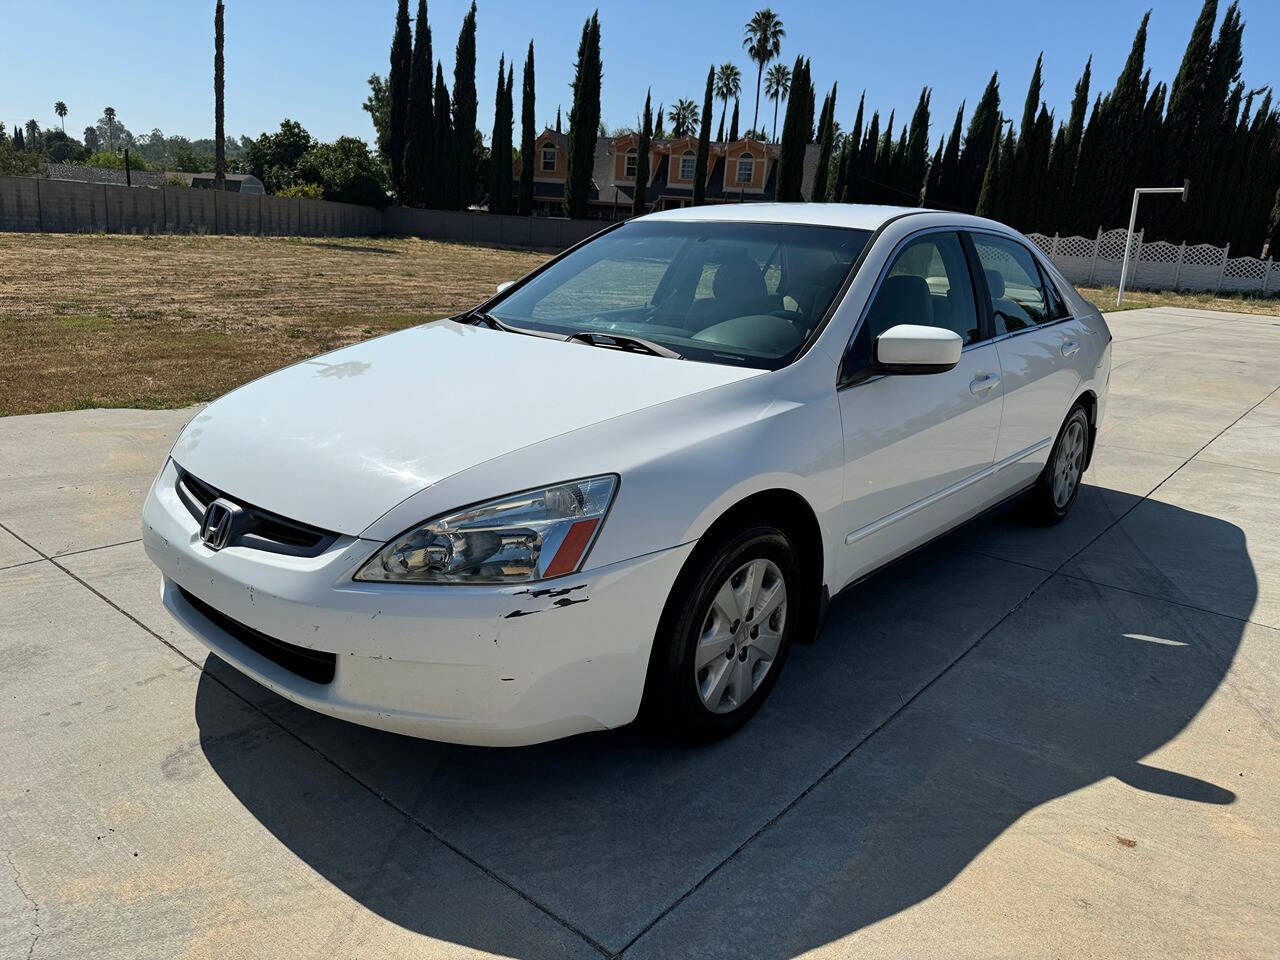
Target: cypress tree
point(398, 88)
point(1019, 175)
point(443, 185)
point(796, 126)
point(558, 130)
point(733, 124)
point(418, 165)
point(933, 182)
point(988, 199)
point(19, 142)
point(464, 111)
point(1186, 95)
point(1273, 230)
point(826, 141)
point(704, 143)
point(915, 156)
point(976, 155)
point(639, 200)
point(658, 130)
point(948, 175)
point(528, 136)
point(500, 145)
point(584, 120)
point(861, 188)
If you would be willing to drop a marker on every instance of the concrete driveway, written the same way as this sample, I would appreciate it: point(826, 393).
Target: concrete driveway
point(1021, 742)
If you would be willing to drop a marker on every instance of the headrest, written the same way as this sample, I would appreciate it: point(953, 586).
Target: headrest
point(739, 280)
point(902, 299)
point(995, 283)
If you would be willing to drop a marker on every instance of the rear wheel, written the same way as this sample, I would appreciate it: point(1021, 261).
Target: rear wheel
point(1058, 486)
point(724, 636)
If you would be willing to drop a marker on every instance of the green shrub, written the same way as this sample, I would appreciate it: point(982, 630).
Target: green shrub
point(115, 161)
point(19, 163)
point(308, 191)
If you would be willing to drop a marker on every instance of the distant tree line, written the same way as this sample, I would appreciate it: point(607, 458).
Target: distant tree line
point(1074, 175)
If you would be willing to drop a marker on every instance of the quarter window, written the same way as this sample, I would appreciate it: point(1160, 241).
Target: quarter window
point(928, 284)
point(687, 165)
point(1013, 282)
point(548, 159)
point(746, 168)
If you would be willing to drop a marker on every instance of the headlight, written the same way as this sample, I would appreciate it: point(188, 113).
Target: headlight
point(524, 537)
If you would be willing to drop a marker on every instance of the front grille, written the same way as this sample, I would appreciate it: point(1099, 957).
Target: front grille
point(314, 665)
point(256, 528)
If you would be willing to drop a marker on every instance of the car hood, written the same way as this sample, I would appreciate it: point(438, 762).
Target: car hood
point(337, 441)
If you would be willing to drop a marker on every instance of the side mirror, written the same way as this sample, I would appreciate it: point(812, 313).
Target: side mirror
point(908, 348)
point(504, 284)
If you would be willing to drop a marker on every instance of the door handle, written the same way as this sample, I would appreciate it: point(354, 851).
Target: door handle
point(1071, 348)
point(980, 385)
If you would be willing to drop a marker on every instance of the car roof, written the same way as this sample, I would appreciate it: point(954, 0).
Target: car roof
point(859, 216)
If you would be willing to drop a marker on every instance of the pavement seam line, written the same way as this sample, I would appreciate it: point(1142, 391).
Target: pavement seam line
point(790, 805)
point(416, 821)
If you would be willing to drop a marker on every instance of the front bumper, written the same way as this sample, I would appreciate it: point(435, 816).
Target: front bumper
point(494, 666)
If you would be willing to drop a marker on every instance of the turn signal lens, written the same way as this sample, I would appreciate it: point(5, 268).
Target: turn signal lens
point(517, 539)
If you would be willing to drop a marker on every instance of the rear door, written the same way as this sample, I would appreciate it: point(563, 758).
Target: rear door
point(1035, 339)
point(918, 447)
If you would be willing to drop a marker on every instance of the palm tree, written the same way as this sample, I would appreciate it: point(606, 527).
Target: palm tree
point(60, 109)
point(109, 115)
point(763, 40)
point(777, 84)
point(728, 86)
point(683, 116)
point(219, 135)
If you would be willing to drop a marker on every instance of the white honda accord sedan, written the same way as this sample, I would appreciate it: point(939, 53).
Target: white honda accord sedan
point(628, 483)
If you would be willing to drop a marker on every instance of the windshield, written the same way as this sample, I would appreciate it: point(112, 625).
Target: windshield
point(750, 294)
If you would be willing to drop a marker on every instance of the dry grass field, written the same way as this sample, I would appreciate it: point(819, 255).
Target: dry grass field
point(121, 321)
point(116, 321)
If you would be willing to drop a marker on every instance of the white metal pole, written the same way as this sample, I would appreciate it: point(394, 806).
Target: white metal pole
point(1128, 245)
point(1133, 219)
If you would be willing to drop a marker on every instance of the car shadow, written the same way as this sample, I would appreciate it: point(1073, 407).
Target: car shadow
point(1076, 684)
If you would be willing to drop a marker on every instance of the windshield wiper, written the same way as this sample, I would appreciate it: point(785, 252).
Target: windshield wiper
point(621, 341)
point(478, 317)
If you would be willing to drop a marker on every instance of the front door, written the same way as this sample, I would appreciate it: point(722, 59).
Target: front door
point(918, 447)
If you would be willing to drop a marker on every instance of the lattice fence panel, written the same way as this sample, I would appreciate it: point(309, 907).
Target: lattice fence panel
point(1040, 240)
point(1244, 273)
point(1156, 267)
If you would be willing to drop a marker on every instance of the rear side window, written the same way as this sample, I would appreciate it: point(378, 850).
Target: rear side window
point(927, 284)
point(1058, 309)
point(1018, 300)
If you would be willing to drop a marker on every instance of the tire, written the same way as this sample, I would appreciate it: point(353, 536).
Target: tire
point(1058, 485)
point(701, 665)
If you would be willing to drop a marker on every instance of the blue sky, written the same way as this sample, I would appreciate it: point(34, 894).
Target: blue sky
point(309, 60)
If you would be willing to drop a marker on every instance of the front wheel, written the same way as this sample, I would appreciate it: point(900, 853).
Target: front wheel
point(724, 637)
point(1058, 486)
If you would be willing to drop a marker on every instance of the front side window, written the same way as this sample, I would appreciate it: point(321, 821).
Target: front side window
point(687, 165)
point(927, 284)
point(1013, 283)
point(548, 159)
point(746, 167)
point(711, 291)
point(629, 170)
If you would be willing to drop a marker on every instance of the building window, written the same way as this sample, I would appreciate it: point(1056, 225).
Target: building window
point(746, 168)
point(548, 159)
point(633, 157)
point(687, 164)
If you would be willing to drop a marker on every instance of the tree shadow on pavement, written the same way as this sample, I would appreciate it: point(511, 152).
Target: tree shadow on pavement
point(947, 697)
